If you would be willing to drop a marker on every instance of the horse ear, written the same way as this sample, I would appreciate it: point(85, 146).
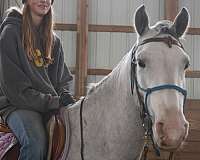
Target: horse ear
point(141, 20)
point(181, 22)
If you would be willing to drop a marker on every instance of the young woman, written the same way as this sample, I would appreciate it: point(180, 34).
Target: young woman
point(34, 79)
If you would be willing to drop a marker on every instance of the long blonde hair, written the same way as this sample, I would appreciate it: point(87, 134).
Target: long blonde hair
point(29, 38)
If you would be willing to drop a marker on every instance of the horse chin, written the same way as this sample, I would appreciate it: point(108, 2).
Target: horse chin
point(165, 147)
point(169, 148)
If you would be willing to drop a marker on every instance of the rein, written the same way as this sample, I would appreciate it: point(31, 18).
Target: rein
point(145, 115)
point(81, 129)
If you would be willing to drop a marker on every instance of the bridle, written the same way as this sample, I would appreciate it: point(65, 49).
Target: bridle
point(145, 115)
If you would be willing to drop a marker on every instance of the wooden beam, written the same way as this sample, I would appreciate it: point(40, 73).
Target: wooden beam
point(110, 28)
point(171, 9)
point(193, 31)
point(95, 28)
point(65, 27)
point(82, 48)
point(192, 74)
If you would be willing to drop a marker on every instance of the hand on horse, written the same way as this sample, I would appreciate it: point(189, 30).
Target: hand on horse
point(66, 99)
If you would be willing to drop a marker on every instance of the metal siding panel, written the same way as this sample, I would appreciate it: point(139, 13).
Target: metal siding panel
point(58, 12)
point(133, 5)
point(189, 5)
point(131, 40)
point(92, 50)
point(92, 40)
point(69, 47)
point(152, 7)
point(119, 12)
point(68, 40)
point(161, 9)
point(103, 39)
point(92, 53)
point(188, 44)
point(103, 50)
point(196, 65)
point(193, 43)
point(69, 11)
point(92, 11)
point(103, 12)
point(196, 12)
point(118, 48)
point(65, 12)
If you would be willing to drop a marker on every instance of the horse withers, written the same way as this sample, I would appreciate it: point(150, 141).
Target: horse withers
point(144, 94)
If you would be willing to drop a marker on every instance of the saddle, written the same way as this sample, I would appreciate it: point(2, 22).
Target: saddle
point(9, 146)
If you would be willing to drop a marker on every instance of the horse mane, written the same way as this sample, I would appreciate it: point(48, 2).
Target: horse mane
point(114, 74)
point(91, 87)
point(94, 86)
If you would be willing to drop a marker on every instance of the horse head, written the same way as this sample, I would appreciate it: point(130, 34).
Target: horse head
point(160, 62)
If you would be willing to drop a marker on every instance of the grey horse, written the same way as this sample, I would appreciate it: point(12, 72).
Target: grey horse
point(107, 124)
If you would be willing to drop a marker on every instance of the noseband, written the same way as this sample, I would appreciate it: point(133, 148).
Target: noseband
point(145, 115)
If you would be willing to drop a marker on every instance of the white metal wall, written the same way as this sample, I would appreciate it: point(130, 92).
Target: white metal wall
point(106, 49)
point(192, 43)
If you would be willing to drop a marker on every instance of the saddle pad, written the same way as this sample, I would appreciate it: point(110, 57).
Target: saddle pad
point(7, 141)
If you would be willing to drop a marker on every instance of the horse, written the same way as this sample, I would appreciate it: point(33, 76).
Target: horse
point(143, 96)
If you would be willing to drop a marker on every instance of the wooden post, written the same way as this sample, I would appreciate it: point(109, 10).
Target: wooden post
point(171, 9)
point(82, 48)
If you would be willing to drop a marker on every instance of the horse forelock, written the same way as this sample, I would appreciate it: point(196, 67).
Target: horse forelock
point(160, 24)
point(160, 29)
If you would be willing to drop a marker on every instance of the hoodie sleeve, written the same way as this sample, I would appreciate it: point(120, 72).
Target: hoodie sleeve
point(60, 74)
point(63, 74)
point(16, 86)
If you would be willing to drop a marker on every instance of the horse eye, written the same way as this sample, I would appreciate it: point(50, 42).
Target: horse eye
point(141, 63)
point(187, 65)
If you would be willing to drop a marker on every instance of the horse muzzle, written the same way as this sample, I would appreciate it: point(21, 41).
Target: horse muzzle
point(170, 136)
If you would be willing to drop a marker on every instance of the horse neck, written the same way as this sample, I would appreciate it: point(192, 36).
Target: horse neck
point(111, 118)
point(116, 85)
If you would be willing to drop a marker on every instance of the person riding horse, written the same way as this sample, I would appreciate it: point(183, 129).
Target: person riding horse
point(34, 79)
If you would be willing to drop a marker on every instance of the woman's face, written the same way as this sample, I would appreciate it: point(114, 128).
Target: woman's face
point(39, 7)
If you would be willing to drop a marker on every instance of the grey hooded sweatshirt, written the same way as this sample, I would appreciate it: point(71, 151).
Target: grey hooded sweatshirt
point(23, 85)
